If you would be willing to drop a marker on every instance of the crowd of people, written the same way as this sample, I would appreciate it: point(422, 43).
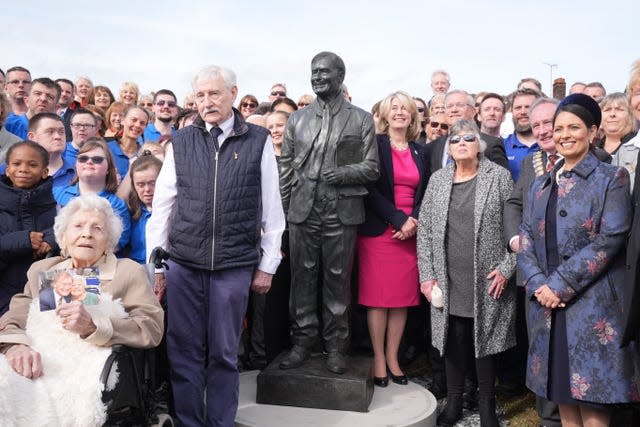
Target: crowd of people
point(497, 234)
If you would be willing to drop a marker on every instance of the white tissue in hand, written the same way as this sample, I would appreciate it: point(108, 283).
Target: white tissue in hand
point(436, 297)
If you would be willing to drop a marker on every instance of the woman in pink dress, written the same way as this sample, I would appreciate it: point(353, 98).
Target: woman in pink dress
point(388, 270)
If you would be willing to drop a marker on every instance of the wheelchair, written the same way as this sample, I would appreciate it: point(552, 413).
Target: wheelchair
point(131, 394)
point(134, 394)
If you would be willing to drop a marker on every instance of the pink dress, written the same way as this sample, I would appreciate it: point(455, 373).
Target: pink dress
point(388, 268)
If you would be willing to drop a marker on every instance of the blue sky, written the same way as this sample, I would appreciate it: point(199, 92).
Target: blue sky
point(386, 45)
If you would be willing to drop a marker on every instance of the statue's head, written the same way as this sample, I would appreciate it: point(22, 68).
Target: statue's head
point(327, 75)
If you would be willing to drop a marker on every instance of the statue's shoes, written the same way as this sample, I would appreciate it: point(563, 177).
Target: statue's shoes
point(336, 362)
point(295, 357)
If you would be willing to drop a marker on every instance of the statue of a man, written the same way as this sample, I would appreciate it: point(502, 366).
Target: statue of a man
point(328, 155)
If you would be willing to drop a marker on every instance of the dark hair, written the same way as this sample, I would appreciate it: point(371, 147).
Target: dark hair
point(164, 92)
point(2, 72)
point(48, 83)
point(142, 163)
point(92, 94)
point(263, 108)
point(34, 145)
point(79, 111)
point(496, 96)
point(111, 180)
point(288, 101)
point(18, 68)
point(34, 122)
point(67, 81)
point(583, 106)
point(248, 97)
point(524, 92)
point(183, 114)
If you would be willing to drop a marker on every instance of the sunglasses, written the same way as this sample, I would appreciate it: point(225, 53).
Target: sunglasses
point(302, 104)
point(469, 137)
point(442, 126)
point(170, 104)
point(249, 105)
point(94, 159)
point(146, 104)
point(278, 93)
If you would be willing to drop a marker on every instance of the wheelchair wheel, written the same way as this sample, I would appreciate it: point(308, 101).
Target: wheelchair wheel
point(164, 420)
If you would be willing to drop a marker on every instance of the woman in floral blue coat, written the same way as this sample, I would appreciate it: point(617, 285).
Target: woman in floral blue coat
point(572, 258)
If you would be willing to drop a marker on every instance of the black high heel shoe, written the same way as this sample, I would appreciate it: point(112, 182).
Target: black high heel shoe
point(381, 381)
point(398, 379)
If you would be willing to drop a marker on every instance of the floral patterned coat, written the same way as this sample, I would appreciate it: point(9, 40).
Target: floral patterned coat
point(593, 217)
point(494, 320)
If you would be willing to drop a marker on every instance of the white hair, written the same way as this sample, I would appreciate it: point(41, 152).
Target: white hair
point(213, 71)
point(89, 202)
point(440, 73)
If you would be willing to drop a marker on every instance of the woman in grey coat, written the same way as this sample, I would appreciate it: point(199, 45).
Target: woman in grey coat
point(461, 251)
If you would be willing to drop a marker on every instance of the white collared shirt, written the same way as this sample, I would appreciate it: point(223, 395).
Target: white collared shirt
point(273, 221)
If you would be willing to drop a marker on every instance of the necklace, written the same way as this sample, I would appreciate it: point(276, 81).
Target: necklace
point(400, 147)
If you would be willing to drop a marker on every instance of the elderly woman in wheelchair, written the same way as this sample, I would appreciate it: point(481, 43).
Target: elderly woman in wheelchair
point(51, 361)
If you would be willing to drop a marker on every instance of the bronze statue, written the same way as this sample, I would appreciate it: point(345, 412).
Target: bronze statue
point(328, 155)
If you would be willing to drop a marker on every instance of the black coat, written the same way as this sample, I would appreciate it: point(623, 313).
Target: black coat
point(21, 212)
point(380, 209)
point(632, 273)
point(494, 152)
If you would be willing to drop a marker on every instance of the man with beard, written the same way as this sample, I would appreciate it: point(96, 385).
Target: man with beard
point(328, 156)
point(165, 110)
point(43, 98)
point(521, 142)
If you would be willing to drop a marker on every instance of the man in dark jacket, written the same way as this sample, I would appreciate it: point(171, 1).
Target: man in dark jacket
point(216, 194)
point(328, 155)
point(458, 105)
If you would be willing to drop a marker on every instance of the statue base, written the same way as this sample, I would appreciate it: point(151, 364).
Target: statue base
point(313, 386)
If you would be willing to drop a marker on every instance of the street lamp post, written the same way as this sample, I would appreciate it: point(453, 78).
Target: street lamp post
point(551, 66)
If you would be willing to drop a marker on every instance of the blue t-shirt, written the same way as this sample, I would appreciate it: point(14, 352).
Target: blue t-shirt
point(138, 241)
point(64, 195)
point(516, 151)
point(70, 153)
point(17, 125)
point(120, 159)
point(151, 134)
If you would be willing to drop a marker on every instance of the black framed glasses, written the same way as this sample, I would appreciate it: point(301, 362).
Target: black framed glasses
point(170, 104)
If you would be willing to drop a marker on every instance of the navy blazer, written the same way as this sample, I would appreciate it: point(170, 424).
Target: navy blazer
point(380, 209)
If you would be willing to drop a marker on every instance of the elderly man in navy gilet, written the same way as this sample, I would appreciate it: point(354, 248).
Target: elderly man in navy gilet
point(216, 194)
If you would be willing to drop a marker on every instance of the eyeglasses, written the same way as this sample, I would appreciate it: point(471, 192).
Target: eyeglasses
point(161, 103)
point(442, 126)
point(469, 137)
point(278, 93)
point(18, 82)
point(94, 159)
point(82, 125)
point(249, 105)
point(420, 109)
point(456, 104)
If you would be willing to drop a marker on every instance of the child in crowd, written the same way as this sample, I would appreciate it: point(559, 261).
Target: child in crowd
point(27, 212)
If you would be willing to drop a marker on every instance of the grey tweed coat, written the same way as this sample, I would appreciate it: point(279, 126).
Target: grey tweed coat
point(494, 320)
